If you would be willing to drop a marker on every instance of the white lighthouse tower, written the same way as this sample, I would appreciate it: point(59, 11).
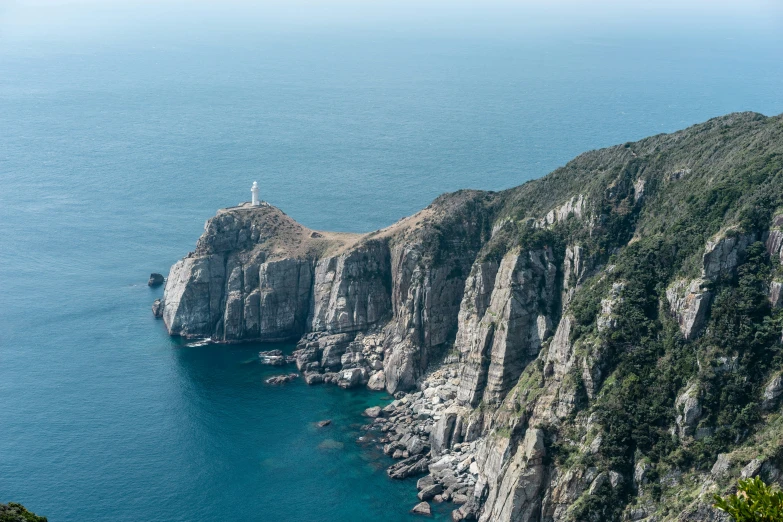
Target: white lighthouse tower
point(254, 191)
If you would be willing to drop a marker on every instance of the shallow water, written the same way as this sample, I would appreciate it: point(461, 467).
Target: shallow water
point(112, 157)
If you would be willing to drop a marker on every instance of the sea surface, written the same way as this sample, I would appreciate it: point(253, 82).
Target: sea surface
point(114, 153)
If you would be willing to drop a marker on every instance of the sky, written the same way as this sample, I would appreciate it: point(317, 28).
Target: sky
point(31, 21)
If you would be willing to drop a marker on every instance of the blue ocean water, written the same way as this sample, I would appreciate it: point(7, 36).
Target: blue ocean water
point(112, 156)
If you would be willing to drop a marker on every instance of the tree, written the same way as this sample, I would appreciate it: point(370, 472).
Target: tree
point(754, 501)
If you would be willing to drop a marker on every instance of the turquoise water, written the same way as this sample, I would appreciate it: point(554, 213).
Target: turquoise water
point(112, 156)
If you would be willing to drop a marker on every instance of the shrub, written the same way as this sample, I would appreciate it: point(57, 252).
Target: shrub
point(754, 501)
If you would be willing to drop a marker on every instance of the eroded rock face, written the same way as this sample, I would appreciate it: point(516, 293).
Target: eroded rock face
point(688, 410)
point(193, 298)
point(689, 302)
point(724, 253)
point(351, 291)
point(518, 495)
point(772, 392)
point(280, 301)
point(478, 333)
point(574, 270)
point(512, 327)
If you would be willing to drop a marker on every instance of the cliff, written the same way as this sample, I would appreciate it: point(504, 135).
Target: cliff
point(603, 343)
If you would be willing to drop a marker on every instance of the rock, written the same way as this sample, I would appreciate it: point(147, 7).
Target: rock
point(776, 294)
point(157, 308)
point(533, 445)
point(349, 378)
point(156, 280)
point(512, 329)
point(377, 381)
point(723, 254)
point(373, 412)
point(272, 358)
point(688, 404)
point(410, 467)
point(415, 446)
point(640, 474)
point(324, 423)
point(607, 319)
point(721, 466)
point(772, 392)
point(752, 468)
point(440, 437)
point(282, 379)
point(424, 482)
point(422, 508)
point(429, 492)
point(441, 464)
point(314, 378)
point(466, 513)
point(689, 303)
point(615, 479)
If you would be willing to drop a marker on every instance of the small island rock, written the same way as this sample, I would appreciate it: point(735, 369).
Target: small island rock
point(422, 508)
point(156, 280)
point(282, 379)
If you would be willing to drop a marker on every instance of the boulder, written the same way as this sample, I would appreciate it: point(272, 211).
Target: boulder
point(412, 466)
point(424, 482)
point(373, 412)
point(422, 508)
point(428, 492)
point(314, 378)
point(349, 378)
point(377, 381)
point(440, 437)
point(324, 423)
point(272, 358)
point(155, 280)
point(282, 379)
point(157, 308)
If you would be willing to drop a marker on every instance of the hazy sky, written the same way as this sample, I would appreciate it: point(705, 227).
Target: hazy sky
point(29, 21)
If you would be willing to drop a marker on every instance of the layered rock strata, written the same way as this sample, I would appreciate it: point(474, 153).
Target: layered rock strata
point(499, 320)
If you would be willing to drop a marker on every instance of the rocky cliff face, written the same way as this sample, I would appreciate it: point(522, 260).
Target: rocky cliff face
point(600, 344)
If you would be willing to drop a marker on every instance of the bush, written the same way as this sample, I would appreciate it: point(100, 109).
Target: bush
point(754, 501)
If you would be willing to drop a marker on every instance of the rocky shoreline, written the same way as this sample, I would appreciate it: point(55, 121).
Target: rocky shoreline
point(418, 429)
point(552, 348)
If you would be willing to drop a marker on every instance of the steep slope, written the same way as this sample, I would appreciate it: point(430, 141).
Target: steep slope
point(600, 344)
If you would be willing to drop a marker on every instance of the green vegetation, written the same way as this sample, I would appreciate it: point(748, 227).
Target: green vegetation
point(13, 512)
point(652, 206)
point(754, 501)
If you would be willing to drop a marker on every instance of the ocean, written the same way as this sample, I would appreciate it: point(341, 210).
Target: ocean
point(113, 153)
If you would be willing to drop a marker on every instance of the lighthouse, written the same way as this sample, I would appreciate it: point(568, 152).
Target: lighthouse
point(254, 192)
